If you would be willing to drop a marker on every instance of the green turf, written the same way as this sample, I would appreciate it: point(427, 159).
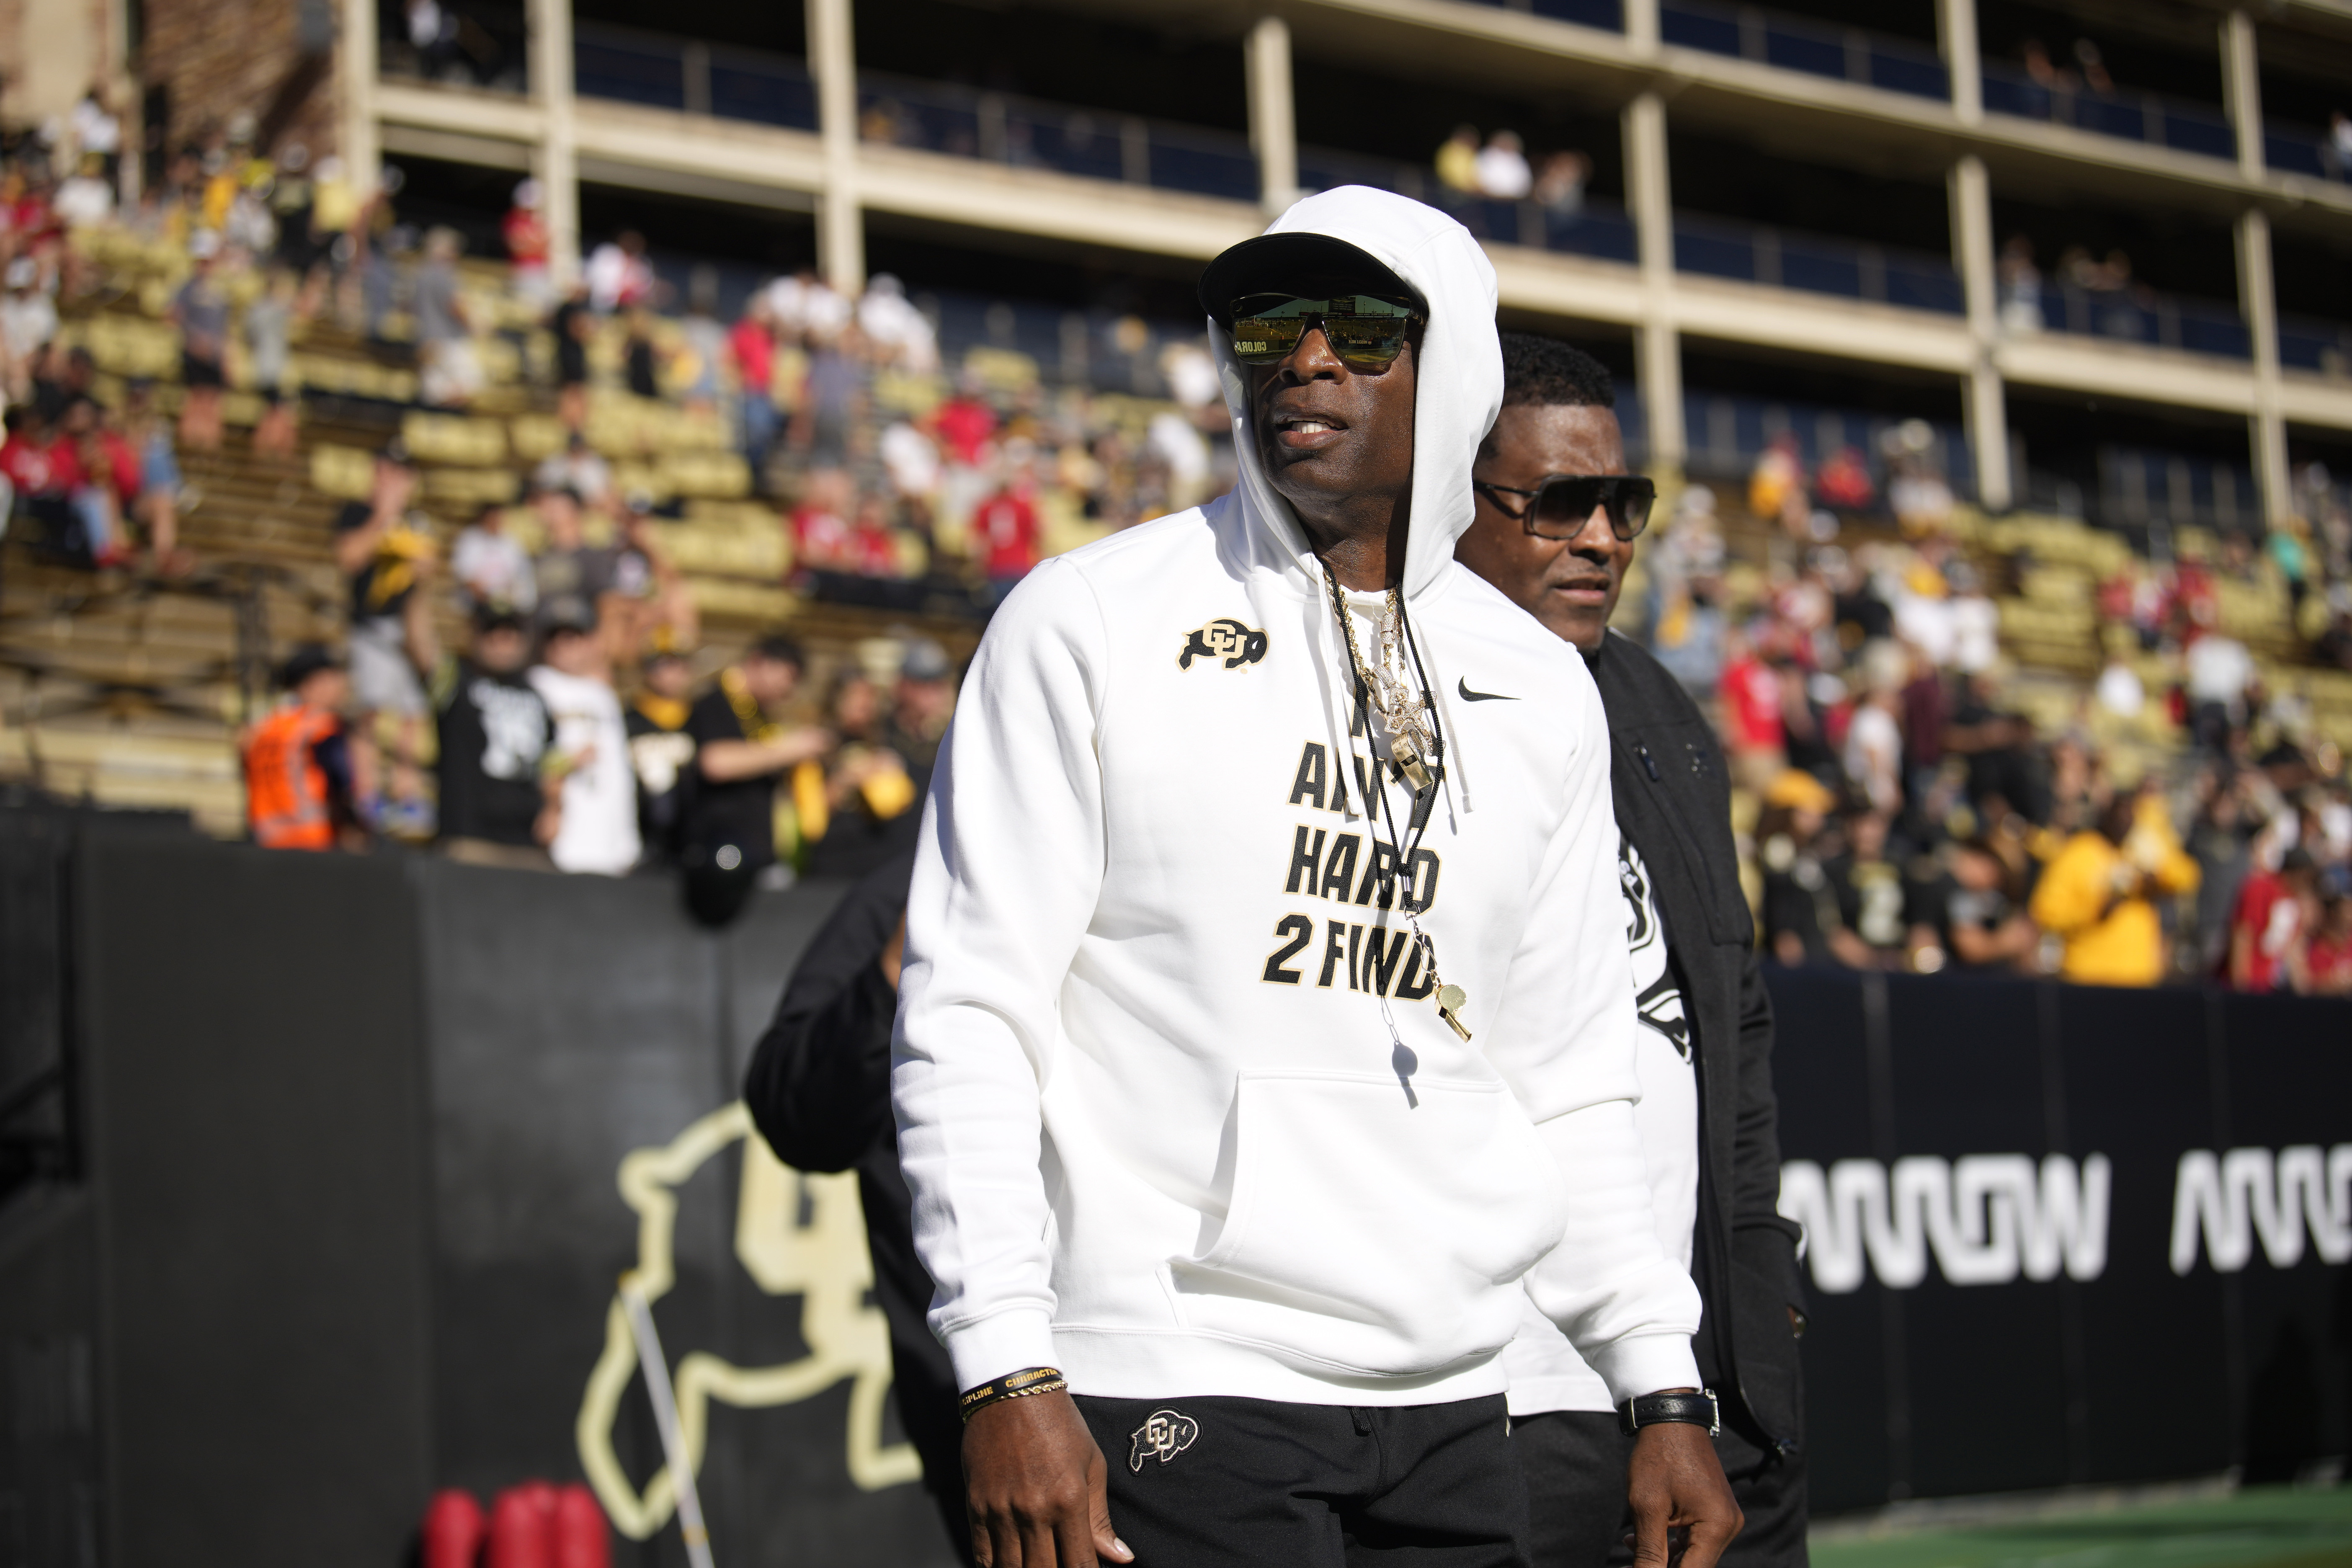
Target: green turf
point(2271, 1526)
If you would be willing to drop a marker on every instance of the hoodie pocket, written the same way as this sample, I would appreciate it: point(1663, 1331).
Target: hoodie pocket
point(1373, 1233)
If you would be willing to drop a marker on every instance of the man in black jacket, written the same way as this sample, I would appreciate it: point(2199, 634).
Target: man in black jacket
point(819, 1092)
point(1556, 519)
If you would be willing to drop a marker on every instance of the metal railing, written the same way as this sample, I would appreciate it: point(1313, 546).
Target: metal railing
point(2300, 149)
point(690, 76)
point(999, 128)
point(2323, 346)
point(1727, 431)
point(2131, 116)
point(2142, 316)
point(1843, 54)
point(1817, 264)
point(2138, 487)
point(1607, 15)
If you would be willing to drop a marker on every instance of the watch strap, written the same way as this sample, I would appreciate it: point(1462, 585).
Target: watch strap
point(1699, 1409)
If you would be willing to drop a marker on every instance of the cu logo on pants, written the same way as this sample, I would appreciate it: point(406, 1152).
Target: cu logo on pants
point(1166, 1433)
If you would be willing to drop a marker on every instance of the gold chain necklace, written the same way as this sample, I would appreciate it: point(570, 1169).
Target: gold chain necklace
point(1402, 711)
point(1404, 715)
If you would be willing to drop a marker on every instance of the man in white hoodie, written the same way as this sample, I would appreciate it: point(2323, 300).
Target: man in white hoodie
point(1250, 1071)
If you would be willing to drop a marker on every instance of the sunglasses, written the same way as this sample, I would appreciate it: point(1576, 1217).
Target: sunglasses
point(1560, 506)
point(1365, 330)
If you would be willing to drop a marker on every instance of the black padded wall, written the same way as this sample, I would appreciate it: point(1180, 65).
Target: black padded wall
point(254, 1109)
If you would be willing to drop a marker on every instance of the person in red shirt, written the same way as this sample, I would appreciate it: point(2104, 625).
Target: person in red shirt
point(819, 526)
point(874, 552)
point(2328, 970)
point(45, 470)
point(1845, 481)
point(25, 456)
point(964, 424)
point(1005, 528)
point(1754, 735)
point(752, 346)
point(2272, 924)
point(108, 481)
point(2196, 606)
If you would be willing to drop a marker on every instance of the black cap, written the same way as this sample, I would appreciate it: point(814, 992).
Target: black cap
point(1314, 266)
point(498, 618)
point(305, 662)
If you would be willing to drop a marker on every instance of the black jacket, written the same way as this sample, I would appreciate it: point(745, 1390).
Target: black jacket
point(819, 1092)
point(1673, 796)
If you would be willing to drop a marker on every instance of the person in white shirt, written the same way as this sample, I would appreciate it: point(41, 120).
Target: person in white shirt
point(598, 833)
point(1267, 1034)
point(892, 323)
point(491, 567)
point(85, 200)
point(1503, 171)
point(1874, 739)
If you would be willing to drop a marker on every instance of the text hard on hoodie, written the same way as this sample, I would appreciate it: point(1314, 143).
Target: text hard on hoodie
point(1178, 1113)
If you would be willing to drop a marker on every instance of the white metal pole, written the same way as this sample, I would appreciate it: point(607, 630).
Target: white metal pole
point(665, 1404)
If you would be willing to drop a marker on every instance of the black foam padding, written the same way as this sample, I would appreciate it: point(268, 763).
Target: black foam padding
point(256, 1110)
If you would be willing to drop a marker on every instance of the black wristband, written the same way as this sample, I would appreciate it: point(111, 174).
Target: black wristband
point(1011, 1386)
point(1650, 1409)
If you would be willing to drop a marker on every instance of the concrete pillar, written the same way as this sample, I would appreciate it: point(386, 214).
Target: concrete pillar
point(555, 161)
point(1969, 192)
point(2241, 89)
point(1955, 39)
point(2259, 305)
point(1988, 424)
point(2256, 302)
point(840, 224)
point(1273, 125)
point(1649, 192)
point(1986, 407)
point(1642, 25)
point(1658, 370)
point(356, 75)
point(1658, 342)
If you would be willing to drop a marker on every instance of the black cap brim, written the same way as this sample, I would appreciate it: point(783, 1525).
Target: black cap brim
point(1314, 266)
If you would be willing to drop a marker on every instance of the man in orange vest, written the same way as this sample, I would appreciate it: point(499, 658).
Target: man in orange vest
point(298, 759)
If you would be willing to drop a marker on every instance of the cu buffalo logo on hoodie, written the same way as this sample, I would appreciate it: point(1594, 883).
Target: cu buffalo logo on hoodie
point(1224, 638)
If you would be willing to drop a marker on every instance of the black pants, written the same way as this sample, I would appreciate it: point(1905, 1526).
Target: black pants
point(1575, 1465)
point(1205, 1483)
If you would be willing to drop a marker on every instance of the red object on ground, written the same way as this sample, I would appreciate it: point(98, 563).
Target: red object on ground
point(453, 1528)
point(582, 1538)
point(522, 1527)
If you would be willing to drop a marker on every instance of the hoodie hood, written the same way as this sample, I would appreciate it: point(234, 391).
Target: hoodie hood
point(1459, 377)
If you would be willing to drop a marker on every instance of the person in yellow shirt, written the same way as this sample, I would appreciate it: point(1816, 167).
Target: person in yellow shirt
point(2098, 895)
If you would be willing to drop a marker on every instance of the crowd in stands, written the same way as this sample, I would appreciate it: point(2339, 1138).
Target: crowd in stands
point(1903, 807)
point(1912, 812)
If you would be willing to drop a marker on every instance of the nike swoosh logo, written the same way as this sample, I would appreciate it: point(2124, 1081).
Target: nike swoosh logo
point(1469, 696)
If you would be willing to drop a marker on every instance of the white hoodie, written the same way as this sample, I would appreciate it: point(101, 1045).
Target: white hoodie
point(1157, 1127)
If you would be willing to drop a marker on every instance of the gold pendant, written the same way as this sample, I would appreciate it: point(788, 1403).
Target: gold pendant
point(1451, 1000)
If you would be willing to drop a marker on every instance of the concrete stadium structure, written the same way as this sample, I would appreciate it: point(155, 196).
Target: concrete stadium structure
point(2252, 178)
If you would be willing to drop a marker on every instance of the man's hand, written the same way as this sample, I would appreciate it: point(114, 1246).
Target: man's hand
point(1676, 1484)
point(1034, 1487)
